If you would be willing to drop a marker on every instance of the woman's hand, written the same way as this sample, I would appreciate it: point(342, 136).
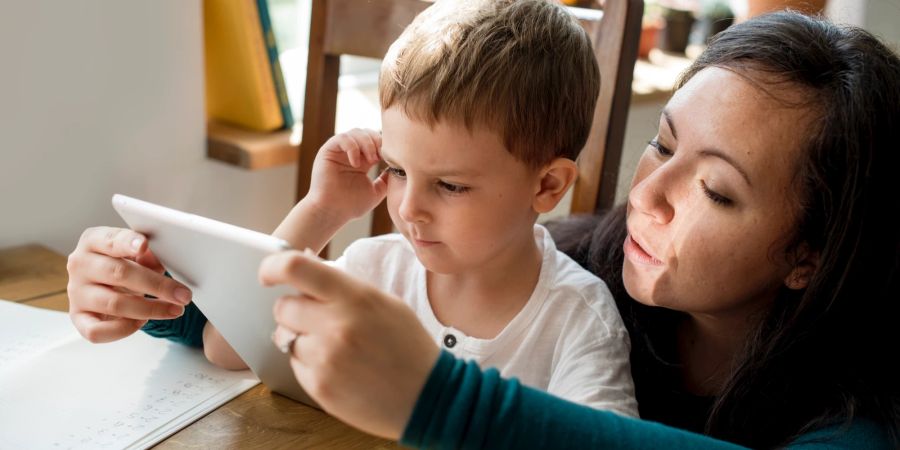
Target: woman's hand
point(109, 272)
point(340, 175)
point(361, 354)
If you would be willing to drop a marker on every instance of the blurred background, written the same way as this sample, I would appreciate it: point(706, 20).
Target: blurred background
point(107, 96)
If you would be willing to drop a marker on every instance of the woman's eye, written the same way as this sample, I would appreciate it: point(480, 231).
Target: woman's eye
point(661, 149)
point(717, 198)
point(452, 188)
point(396, 172)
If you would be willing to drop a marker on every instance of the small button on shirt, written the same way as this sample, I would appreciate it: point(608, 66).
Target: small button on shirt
point(449, 341)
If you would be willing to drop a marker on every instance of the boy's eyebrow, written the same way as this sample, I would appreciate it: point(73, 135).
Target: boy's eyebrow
point(439, 173)
point(386, 158)
point(713, 152)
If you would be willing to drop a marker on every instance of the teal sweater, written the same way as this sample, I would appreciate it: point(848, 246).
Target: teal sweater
point(187, 329)
point(462, 406)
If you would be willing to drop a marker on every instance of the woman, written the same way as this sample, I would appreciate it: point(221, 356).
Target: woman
point(756, 260)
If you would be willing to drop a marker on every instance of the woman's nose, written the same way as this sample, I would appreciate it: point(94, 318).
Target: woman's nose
point(652, 196)
point(412, 208)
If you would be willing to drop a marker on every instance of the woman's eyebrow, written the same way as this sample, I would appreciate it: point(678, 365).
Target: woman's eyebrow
point(713, 152)
point(666, 115)
point(716, 153)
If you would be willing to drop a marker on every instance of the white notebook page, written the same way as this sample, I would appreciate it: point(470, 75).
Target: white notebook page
point(58, 391)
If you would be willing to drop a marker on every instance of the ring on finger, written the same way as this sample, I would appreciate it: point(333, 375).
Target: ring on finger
point(287, 347)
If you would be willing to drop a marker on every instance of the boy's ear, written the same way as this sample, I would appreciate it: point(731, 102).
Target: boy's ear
point(554, 180)
point(803, 271)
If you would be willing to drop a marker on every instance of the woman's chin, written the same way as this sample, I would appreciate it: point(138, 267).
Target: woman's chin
point(640, 286)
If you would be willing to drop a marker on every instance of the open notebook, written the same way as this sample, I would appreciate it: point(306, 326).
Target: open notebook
point(59, 391)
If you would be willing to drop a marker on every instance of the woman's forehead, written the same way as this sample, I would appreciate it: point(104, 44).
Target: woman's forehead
point(756, 122)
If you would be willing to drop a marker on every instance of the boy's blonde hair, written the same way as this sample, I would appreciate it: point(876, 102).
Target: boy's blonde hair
point(523, 69)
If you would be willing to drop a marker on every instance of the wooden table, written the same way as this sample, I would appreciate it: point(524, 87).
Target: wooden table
point(36, 276)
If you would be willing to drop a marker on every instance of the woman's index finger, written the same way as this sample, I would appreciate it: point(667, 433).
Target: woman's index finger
point(308, 274)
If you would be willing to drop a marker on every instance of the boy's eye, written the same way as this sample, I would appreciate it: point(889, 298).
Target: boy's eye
point(453, 188)
point(661, 149)
point(396, 172)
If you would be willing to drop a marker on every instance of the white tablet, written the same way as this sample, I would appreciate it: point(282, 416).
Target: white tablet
point(220, 262)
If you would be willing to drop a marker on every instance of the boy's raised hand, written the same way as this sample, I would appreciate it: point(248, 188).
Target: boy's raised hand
point(340, 177)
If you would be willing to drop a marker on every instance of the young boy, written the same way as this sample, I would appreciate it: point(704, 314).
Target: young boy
point(485, 106)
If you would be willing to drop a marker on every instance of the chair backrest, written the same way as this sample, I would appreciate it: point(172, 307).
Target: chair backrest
point(367, 28)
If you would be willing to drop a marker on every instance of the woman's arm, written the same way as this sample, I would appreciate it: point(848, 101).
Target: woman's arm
point(365, 358)
point(462, 406)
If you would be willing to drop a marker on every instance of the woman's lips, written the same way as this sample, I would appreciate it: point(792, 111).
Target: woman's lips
point(636, 253)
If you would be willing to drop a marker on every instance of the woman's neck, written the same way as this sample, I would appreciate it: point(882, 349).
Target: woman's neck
point(708, 347)
point(481, 301)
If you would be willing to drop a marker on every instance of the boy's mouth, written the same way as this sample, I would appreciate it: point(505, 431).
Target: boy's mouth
point(424, 243)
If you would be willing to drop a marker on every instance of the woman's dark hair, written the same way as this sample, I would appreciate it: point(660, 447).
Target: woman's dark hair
point(827, 354)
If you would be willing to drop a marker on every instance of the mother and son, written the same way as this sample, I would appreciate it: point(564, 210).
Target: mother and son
point(744, 295)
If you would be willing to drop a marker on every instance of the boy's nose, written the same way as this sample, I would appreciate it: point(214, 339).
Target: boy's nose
point(412, 208)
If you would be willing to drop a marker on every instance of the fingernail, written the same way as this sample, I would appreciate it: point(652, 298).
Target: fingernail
point(176, 310)
point(136, 244)
point(183, 295)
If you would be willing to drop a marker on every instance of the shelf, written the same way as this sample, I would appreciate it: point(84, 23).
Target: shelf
point(358, 107)
point(252, 150)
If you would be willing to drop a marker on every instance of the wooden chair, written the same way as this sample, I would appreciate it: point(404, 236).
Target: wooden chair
point(367, 28)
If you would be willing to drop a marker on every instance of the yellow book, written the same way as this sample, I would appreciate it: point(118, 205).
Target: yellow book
point(239, 83)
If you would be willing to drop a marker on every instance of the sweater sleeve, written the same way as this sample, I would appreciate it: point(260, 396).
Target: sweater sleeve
point(462, 406)
point(187, 329)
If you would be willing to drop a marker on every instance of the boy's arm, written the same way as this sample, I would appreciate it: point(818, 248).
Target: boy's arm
point(310, 224)
point(340, 190)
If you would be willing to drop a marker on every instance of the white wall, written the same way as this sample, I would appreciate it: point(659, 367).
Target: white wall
point(106, 96)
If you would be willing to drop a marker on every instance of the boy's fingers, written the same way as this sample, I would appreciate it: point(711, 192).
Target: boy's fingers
point(376, 135)
point(380, 185)
point(351, 148)
point(115, 242)
point(308, 275)
point(368, 144)
point(372, 148)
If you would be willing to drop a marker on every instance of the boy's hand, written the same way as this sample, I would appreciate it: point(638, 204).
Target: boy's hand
point(340, 180)
point(109, 272)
